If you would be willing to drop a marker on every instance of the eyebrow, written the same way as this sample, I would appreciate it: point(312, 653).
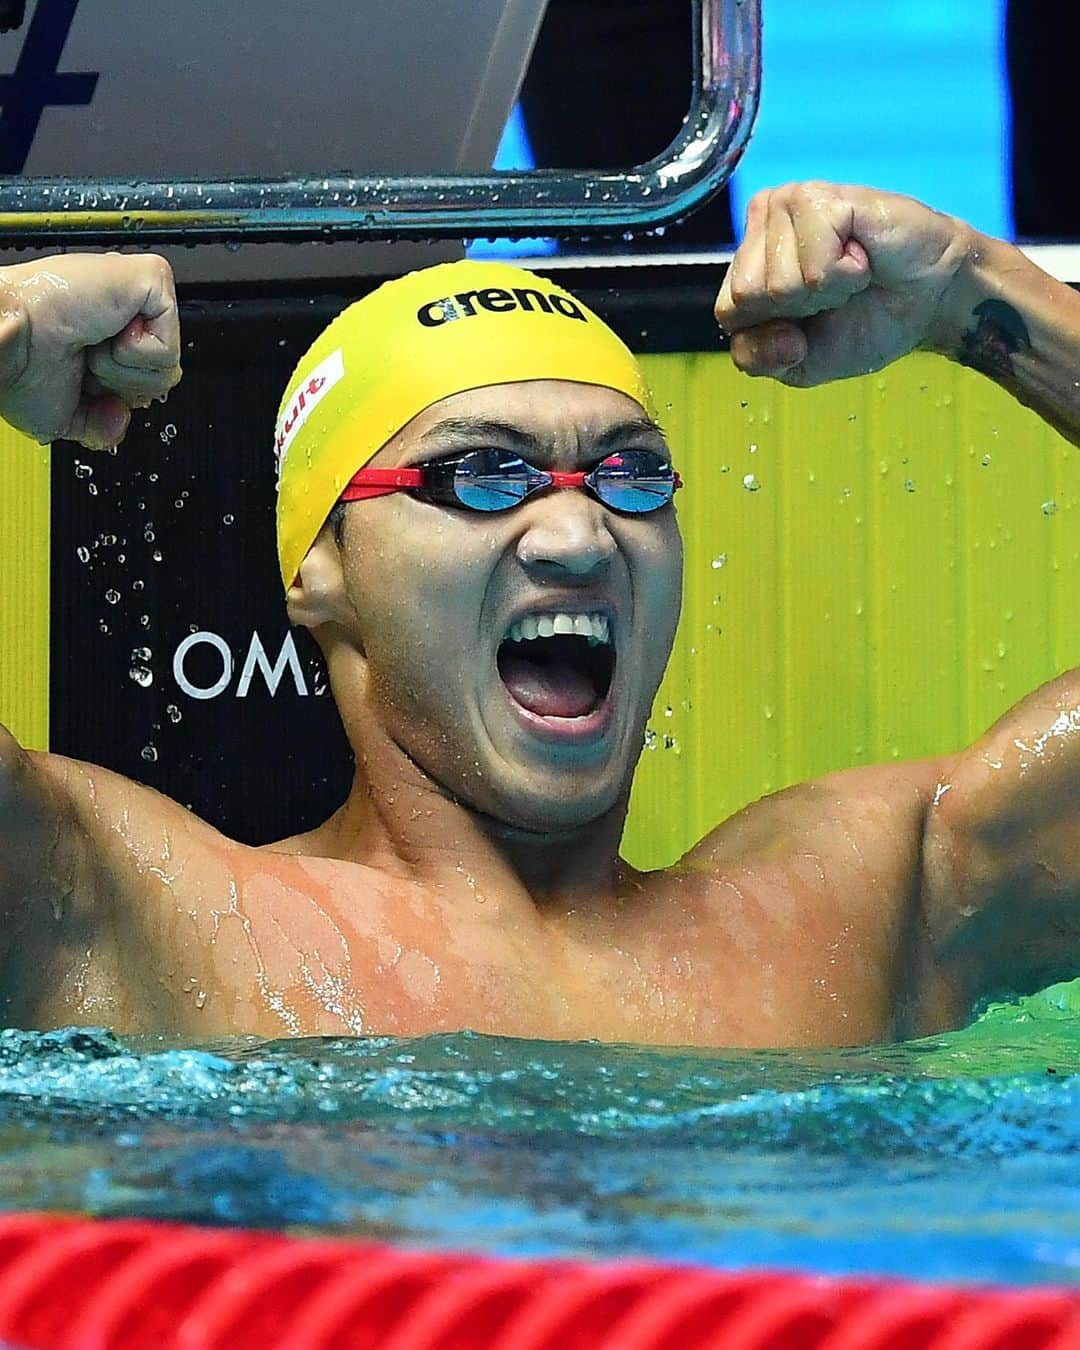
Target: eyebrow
point(473, 429)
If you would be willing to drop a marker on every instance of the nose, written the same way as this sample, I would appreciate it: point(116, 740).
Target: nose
point(565, 532)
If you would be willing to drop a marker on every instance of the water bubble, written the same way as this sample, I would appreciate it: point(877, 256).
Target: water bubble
point(82, 553)
point(156, 555)
point(103, 626)
point(141, 654)
point(82, 470)
point(144, 620)
point(148, 535)
point(153, 478)
point(173, 713)
point(113, 596)
point(719, 561)
point(1049, 507)
point(142, 676)
point(179, 503)
point(228, 519)
point(750, 482)
point(149, 752)
point(92, 489)
point(138, 585)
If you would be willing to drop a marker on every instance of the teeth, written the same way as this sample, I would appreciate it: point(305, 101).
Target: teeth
point(593, 627)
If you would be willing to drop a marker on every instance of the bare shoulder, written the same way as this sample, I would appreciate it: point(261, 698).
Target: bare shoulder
point(869, 815)
point(817, 889)
point(82, 852)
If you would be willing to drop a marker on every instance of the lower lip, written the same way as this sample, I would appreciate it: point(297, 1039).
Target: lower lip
point(564, 730)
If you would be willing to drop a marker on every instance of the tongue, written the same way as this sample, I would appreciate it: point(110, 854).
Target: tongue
point(555, 690)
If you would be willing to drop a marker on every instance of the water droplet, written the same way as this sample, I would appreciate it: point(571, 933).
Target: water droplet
point(719, 562)
point(650, 739)
point(985, 461)
point(750, 482)
point(1048, 508)
point(909, 485)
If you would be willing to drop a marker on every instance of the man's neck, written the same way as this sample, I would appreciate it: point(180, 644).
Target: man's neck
point(397, 820)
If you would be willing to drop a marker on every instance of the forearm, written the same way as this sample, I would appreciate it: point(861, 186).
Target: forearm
point(1004, 316)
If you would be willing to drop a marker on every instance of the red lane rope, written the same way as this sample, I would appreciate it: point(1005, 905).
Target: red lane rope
point(69, 1283)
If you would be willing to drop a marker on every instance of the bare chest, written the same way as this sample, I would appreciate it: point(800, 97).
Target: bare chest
point(272, 946)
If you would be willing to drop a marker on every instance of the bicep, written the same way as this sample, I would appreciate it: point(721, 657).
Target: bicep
point(49, 892)
point(1002, 851)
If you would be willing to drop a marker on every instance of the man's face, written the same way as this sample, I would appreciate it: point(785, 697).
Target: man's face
point(539, 732)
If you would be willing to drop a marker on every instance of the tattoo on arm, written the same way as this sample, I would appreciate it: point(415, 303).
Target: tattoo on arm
point(998, 334)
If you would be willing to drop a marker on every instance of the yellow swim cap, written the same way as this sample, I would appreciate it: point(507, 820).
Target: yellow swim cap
point(412, 342)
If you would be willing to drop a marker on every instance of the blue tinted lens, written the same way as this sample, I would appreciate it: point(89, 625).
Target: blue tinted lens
point(493, 480)
point(634, 481)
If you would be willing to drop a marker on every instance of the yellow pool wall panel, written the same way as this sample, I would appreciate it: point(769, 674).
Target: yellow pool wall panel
point(875, 570)
point(24, 588)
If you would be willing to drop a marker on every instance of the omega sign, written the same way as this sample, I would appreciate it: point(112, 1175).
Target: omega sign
point(200, 649)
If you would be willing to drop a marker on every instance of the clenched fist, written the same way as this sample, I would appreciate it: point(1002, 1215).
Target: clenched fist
point(831, 281)
point(84, 338)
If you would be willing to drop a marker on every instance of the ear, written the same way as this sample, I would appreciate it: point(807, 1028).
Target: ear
point(318, 596)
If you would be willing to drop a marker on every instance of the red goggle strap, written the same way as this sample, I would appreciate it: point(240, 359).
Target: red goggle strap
point(380, 482)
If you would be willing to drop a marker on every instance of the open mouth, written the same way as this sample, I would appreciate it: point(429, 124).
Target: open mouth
point(558, 665)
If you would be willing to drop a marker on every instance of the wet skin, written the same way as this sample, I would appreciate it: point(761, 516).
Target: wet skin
point(472, 877)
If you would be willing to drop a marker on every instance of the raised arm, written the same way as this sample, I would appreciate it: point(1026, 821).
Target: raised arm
point(832, 282)
point(83, 340)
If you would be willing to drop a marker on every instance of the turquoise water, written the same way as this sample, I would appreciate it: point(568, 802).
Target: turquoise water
point(951, 1158)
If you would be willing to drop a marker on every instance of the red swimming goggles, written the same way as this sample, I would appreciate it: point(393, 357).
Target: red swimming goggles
point(632, 482)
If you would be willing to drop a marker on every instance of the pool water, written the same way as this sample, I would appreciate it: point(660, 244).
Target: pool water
point(951, 1158)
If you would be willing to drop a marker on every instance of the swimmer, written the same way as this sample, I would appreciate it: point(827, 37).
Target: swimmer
point(469, 470)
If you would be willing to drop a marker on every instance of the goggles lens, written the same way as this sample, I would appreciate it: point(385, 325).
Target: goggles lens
point(633, 481)
point(493, 480)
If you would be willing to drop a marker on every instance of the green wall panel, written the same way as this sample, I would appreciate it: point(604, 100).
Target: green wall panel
point(24, 590)
point(874, 570)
